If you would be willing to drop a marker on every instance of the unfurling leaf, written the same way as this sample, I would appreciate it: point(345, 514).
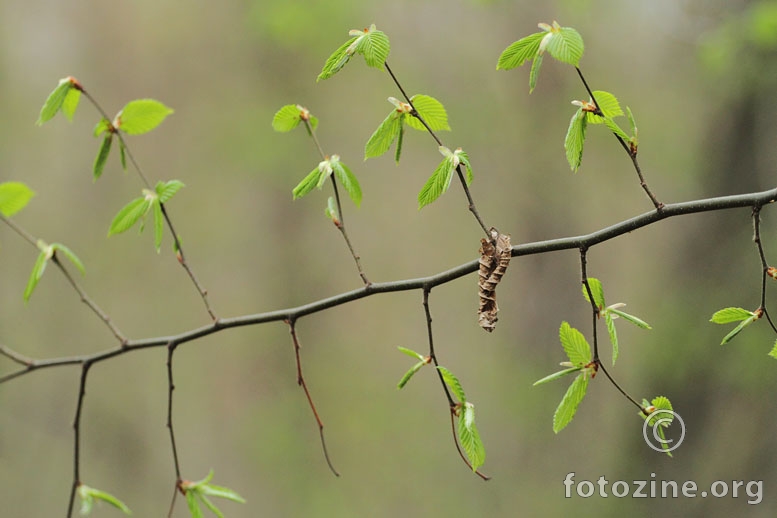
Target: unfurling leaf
point(494, 260)
point(573, 143)
point(470, 438)
point(102, 156)
point(348, 179)
point(567, 409)
point(453, 383)
point(773, 352)
point(519, 52)
point(64, 97)
point(141, 116)
point(371, 43)
point(727, 315)
point(88, 495)
point(307, 184)
point(432, 111)
point(289, 117)
point(130, 214)
point(198, 492)
point(387, 132)
point(166, 190)
point(14, 196)
point(597, 290)
point(331, 211)
point(557, 375)
point(440, 180)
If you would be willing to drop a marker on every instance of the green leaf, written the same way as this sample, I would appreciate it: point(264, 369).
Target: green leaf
point(556, 375)
point(381, 139)
point(166, 190)
point(374, 46)
point(608, 104)
point(573, 143)
point(70, 103)
point(597, 290)
point(453, 384)
point(122, 155)
point(159, 224)
point(289, 117)
point(464, 159)
point(431, 110)
point(470, 438)
point(337, 60)
point(613, 335)
point(73, 258)
point(141, 116)
point(36, 274)
point(743, 324)
point(130, 214)
point(102, 156)
point(331, 211)
point(630, 318)
point(215, 510)
point(612, 126)
point(349, 181)
point(194, 508)
point(565, 45)
point(437, 184)
point(307, 184)
point(400, 139)
point(55, 100)
point(14, 196)
point(566, 410)
point(222, 492)
point(519, 52)
point(575, 345)
point(662, 403)
point(773, 352)
point(411, 353)
point(727, 315)
point(410, 373)
point(89, 494)
point(535, 72)
point(633, 123)
point(101, 127)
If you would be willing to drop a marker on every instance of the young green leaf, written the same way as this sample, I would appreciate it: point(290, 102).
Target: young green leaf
point(575, 345)
point(307, 184)
point(727, 315)
point(130, 214)
point(349, 181)
point(89, 494)
point(289, 117)
point(194, 508)
point(470, 438)
point(573, 143)
point(464, 159)
point(56, 100)
point(431, 110)
point(453, 384)
point(331, 211)
point(773, 352)
point(566, 410)
point(14, 196)
point(612, 126)
point(381, 139)
point(410, 373)
point(608, 104)
point(374, 46)
point(102, 156)
point(400, 139)
point(141, 116)
point(122, 154)
point(634, 130)
point(70, 103)
point(337, 60)
point(37, 272)
point(411, 353)
point(101, 127)
point(159, 224)
point(200, 491)
point(613, 335)
point(534, 72)
point(556, 375)
point(166, 190)
point(565, 44)
point(597, 290)
point(73, 258)
point(743, 324)
point(440, 180)
point(519, 52)
point(629, 318)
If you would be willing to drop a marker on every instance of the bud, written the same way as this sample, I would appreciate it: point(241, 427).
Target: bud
point(772, 272)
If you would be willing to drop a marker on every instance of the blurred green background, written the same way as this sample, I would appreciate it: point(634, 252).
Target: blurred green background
point(700, 77)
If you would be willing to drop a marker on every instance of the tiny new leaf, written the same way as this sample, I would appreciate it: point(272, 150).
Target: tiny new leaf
point(575, 345)
point(167, 190)
point(597, 290)
point(609, 321)
point(289, 117)
point(431, 110)
point(573, 143)
point(728, 315)
point(453, 384)
point(556, 375)
point(14, 196)
point(440, 180)
point(61, 98)
point(46, 253)
point(102, 156)
point(660, 419)
point(331, 211)
point(307, 184)
point(198, 492)
point(469, 436)
point(131, 213)
point(384, 136)
point(371, 43)
point(568, 407)
point(141, 116)
point(629, 318)
point(519, 52)
point(347, 178)
point(423, 360)
point(88, 495)
point(773, 352)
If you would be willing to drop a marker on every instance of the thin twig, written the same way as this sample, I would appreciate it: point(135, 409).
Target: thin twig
point(472, 207)
point(301, 382)
point(170, 388)
point(601, 366)
point(594, 307)
point(432, 354)
point(77, 437)
point(764, 264)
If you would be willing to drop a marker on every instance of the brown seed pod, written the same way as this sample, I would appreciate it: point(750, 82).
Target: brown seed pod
point(494, 259)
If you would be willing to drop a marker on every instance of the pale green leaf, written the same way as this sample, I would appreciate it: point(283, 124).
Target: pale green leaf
point(331, 211)
point(349, 181)
point(566, 45)
point(122, 154)
point(453, 383)
point(90, 493)
point(102, 156)
point(411, 353)
point(597, 290)
point(566, 410)
point(159, 224)
point(575, 345)
point(470, 438)
point(630, 318)
point(464, 159)
point(727, 315)
point(613, 335)
point(773, 352)
point(662, 403)
point(129, 215)
point(14, 196)
point(743, 324)
point(101, 127)
point(70, 103)
point(222, 492)
point(73, 258)
point(431, 110)
point(612, 126)
point(141, 116)
point(194, 508)
point(337, 60)
point(437, 184)
point(410, 373)
point(633, 124)
point(166, 190)
point(37, 272)
point(608, 104)
point(519, 52)
point(55, 100)
point(573, 143)
point(556, 375)
point(400, 139)
point(307, 184)
point(375, 47)
point(535, 72)
point(381, 139)
point(210, 505)
point(287, 118)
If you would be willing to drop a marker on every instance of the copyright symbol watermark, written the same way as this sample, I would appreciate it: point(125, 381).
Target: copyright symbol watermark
point(653, 430)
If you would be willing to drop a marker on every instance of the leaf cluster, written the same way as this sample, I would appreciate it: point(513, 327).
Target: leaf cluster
point(136, 210)
point(198, 493)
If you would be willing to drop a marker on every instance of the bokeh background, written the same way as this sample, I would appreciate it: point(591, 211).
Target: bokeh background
point(700, 77)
